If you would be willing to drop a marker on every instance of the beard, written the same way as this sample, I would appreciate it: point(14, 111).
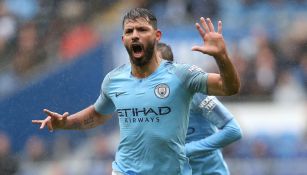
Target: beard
point(146, 58)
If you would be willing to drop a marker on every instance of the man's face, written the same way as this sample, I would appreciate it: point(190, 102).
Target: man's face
point(139, 38)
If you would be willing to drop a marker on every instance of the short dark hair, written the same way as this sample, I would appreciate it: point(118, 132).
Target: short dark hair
point(136, 13)
point(166, 51)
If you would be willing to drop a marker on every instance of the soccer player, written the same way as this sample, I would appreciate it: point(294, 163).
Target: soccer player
point(204, 141)
point(151, 97)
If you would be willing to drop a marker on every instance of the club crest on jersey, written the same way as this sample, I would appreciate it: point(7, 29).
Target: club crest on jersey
point(162, 90)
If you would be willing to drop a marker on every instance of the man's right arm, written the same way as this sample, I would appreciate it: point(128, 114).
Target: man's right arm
point(84, 119)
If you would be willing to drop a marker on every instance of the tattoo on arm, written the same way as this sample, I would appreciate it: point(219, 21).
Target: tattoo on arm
point(76, 125)
point(89, 122)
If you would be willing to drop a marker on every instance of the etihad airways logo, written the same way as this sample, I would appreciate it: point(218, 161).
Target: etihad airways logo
point(135, 112)
point(145, 114)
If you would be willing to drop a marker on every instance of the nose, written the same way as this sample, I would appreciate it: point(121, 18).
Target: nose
point(135, 35)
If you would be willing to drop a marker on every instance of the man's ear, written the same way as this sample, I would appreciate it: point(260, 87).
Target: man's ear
point(122, 38)
point(158, 35)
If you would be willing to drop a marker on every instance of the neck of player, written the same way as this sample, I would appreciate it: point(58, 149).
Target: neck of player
point(147, 69)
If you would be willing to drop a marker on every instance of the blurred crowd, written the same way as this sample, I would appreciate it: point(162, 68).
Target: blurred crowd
point(267, 41)
point(58, 157)
point(38, 35)
point(95, 154)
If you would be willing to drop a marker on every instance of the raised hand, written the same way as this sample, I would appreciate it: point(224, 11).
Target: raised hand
point(214, 43)
point(53, 120)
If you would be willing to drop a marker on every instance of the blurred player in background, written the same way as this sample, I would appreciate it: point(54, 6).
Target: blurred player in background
point(204, 142)
point(152, 97)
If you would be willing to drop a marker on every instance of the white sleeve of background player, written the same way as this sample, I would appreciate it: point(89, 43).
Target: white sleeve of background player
point(104, 104)
point(213, 110)
point(193, 77)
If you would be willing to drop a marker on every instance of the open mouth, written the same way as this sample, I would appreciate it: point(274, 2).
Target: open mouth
point(137, 50)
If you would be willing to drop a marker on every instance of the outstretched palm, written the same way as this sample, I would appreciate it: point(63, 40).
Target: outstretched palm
point(214, 43)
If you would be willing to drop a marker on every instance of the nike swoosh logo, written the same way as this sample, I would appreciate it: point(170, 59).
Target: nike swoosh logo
point(140, 93)
point(119, 93)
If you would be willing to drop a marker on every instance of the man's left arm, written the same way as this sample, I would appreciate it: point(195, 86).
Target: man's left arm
point(227, 81)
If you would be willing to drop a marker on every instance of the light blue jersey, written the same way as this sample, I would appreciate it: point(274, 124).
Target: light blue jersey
point(153, 116)
point(204, 141)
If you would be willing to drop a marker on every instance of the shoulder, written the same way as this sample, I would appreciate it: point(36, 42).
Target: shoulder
point(123, 69)
point(116, 72)
point(187, 73)
point(120, 69)
point(181, 68)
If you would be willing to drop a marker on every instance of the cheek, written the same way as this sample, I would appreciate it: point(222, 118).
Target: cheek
point(151, 39)
point(125, 39)
point(125, 42)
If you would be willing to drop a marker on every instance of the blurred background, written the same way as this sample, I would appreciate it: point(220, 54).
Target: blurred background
point(55, 53)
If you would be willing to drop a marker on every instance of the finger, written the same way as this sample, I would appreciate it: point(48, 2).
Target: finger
point(204, 24)
point(49, 125)
point(196, 48)
point(48, 112)
point(210, 25)
point(65, 115)
point(41, 122)
point(37, 121)
point(200, 30)
point(44, 122)
point(51, 114)
point(43, 125)
point(219, 28)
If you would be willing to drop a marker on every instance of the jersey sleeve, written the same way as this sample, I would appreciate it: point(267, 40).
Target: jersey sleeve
point(216, 113)
point(212, 109)
point(104, 104)
point(230, 133)
point(193, 78)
